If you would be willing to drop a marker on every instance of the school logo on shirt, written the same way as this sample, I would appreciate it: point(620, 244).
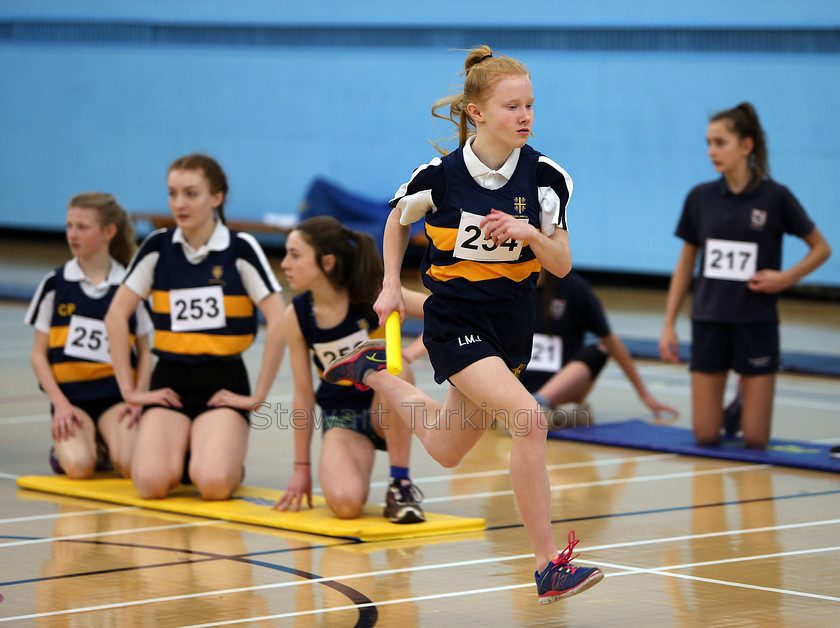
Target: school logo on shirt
point(217, 272)
point(758, 218)
point(519, 204)
point(66, 309)
point(557, 308)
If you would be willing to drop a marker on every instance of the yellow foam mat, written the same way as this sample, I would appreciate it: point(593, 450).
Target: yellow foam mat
point(251, 504)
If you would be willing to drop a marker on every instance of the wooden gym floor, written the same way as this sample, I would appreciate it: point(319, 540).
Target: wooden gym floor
point(683, 541)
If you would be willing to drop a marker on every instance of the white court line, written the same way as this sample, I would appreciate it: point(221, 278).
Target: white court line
point(610, 482)
point(18, 420)
point(739, 559)
point(388, 572)
point(64, 515)
point(112, 533)
point(552, 467)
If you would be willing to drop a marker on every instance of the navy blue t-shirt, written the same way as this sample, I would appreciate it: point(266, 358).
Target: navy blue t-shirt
point(564, 316)
point(738, 234)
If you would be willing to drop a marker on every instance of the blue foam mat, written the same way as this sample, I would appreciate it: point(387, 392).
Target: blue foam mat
point(640, 434)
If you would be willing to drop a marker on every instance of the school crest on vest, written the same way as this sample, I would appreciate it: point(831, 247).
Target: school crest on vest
point(758, 218)
point(557, 308)
point(217, 272)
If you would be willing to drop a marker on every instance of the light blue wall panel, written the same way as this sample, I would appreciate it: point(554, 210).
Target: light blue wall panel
point(87, 104)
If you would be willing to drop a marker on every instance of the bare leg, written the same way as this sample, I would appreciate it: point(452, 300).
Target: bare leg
point(118, 437)
point(447, 432)
point(757, 410)
point(218, 444)
point(490, 380)
point(572, 383)
point(388, 425)
point(157, 463)
point(450, 431)
point(77, 454)
point(707, 406)
point(344, 473)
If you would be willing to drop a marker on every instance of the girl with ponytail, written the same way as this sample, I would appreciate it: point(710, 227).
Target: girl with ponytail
point(93, 429)
point(338, 273)
point(495, 214)
point(735, 224)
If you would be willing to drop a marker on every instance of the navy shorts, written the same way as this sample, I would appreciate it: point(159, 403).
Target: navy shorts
point(459, 332)
point(593, 357)
point(94, 408)
point(197, 383)
point(746, 348)
point(356, 420)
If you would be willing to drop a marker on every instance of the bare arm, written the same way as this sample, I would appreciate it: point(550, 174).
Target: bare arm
point(272, 308)
point(394, 244)
point(64, 418)
point(553, 252)
point(122, 306)
point(143, 376)
point(680, 281)
point(303, 408)
point(772, 281)
point(619, 352)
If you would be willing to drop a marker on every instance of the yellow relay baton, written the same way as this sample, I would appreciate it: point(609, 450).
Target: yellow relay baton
point(393, 343)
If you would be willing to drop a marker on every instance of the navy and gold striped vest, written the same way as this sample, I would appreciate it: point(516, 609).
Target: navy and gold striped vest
point(200, 311)
point(328, 344)
point(447, 275)
point(77, 351)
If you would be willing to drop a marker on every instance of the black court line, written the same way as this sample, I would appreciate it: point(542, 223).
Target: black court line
point(208, 557)
point(655, 511)
point(368, 613)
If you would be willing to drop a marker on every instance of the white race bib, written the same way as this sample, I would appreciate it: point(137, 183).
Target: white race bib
point(730, 260)
point(329, 351)
point(546, 353)
point(87, 340)
point(193, 309)
point(470, 243)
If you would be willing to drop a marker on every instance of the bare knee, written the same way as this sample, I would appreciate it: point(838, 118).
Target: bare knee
point(707, 440)
point(214, 485)
point(751, 442)
point(345, 499)
point(151, 485)
point(78, 468)
point(449, 459)
point(121, 467)
point(707, 434)
point(346, 508)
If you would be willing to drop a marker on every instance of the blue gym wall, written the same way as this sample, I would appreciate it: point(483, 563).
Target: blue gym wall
point(102, 95)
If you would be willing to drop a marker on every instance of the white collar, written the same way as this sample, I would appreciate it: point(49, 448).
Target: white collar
point(219, 240)
point(73, 272)
point(477, 168)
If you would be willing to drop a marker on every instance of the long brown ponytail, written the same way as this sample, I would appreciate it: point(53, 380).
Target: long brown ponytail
point(124, 243)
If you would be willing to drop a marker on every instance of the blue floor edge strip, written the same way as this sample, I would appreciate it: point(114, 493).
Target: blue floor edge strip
point(641, 434)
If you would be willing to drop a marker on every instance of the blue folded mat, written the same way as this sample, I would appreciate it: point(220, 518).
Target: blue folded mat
point(640, 434)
